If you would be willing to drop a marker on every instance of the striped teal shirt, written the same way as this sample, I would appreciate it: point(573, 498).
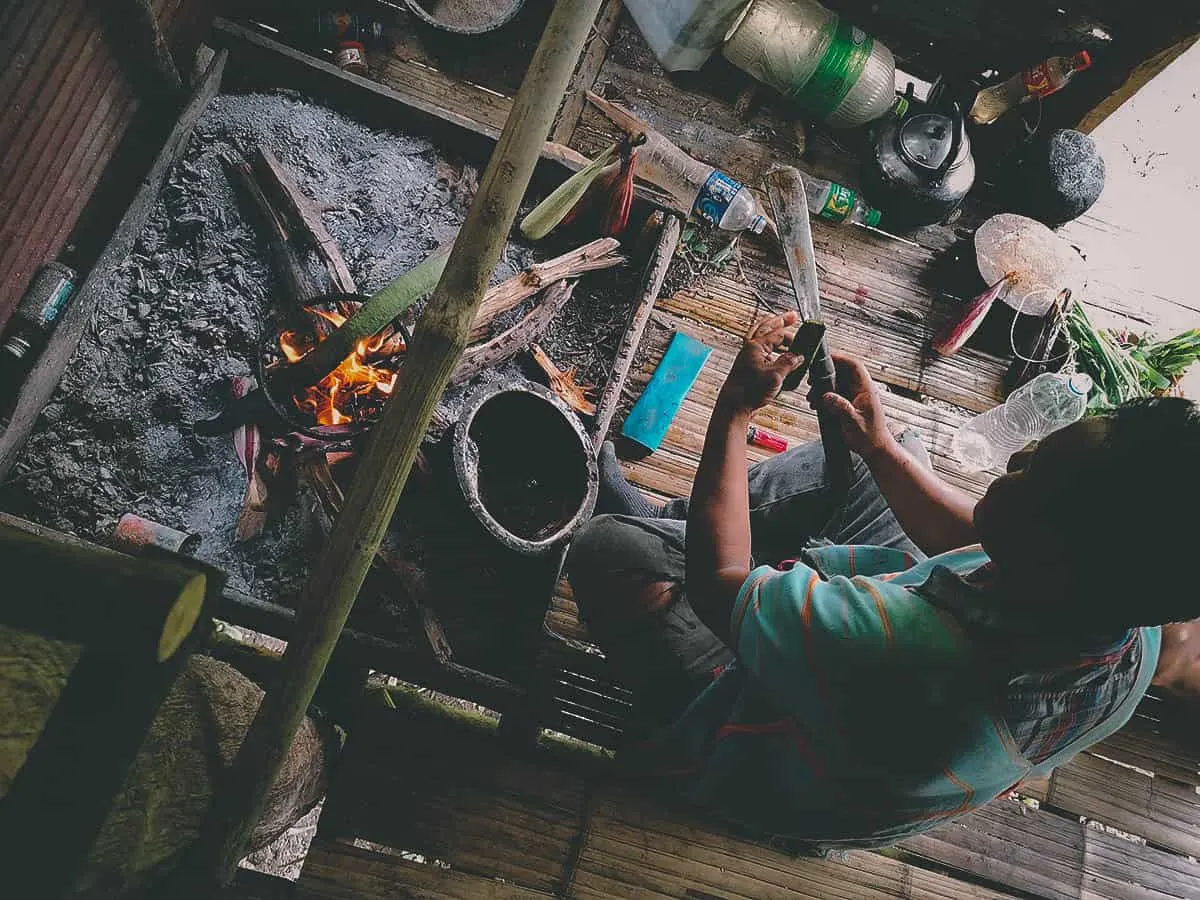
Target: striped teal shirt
point(857, 711)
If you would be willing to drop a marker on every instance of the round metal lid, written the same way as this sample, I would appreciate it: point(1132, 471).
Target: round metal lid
point(925, 139)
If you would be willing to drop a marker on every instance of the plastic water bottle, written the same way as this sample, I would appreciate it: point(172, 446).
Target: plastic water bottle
point(1047, 403)
point(705, 191)
point(830, 68)
point(837, 203)
point(1040, 81)
point(684, 33)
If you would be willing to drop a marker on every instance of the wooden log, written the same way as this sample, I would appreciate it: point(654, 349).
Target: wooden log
point(331, 591)
point(517, 338)
point(299, 284)
point(639, 316)
point(599, 254)
point(302, 216)
point(52, 363)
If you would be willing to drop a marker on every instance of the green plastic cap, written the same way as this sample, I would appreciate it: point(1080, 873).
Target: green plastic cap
point(874, 217)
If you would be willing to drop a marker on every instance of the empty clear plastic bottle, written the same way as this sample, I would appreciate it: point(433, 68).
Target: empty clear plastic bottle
point(837, 203)
point(1042, 80)
point(701, 189)
point(1047, 403)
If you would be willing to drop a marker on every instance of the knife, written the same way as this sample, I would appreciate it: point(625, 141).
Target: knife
point(785, 187)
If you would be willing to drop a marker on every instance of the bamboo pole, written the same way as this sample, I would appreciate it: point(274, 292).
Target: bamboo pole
point(371, 500)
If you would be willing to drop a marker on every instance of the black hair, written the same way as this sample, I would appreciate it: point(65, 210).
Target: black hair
point(1133, 515)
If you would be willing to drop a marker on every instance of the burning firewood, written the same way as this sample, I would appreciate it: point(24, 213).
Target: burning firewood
point(247, 442)
point(563, 383)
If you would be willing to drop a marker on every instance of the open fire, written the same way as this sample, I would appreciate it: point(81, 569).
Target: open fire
point(355, 389)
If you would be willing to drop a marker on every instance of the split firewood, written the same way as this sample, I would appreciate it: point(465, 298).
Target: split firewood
point(247, 442)
point(302, 216)
point(599, 254)
point(563, 383)
point(485, 356)
point(299, 285)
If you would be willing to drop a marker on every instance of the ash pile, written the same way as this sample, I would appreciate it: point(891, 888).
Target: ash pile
point(187, 315)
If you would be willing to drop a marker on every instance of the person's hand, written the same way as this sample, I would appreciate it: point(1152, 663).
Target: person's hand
point(863, 422)
point(759, 370)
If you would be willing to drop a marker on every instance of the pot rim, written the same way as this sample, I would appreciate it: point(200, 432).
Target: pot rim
point(470, 487)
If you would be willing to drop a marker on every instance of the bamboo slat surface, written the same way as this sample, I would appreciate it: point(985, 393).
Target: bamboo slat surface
point(544, 823)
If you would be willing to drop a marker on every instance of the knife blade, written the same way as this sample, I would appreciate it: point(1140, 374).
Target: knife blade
point(785, 188)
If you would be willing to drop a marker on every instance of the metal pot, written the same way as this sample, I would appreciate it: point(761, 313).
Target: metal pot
point(921, 168)
point(526, 467)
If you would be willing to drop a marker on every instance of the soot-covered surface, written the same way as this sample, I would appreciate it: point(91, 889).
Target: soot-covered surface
point(183, 315)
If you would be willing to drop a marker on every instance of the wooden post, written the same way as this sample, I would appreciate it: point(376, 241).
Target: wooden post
point(330, 592)
point(138, 621)
point(639, 316)
point(132, 27)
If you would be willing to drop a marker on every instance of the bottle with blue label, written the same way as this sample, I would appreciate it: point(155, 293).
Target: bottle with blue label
point(697, 188)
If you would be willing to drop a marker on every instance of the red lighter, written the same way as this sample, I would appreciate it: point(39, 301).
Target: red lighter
point(761, 438)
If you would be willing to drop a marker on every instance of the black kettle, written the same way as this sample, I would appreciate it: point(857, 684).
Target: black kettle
point(920, 168)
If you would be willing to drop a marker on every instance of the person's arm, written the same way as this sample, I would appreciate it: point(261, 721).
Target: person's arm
point(935, 515)
point(718, 526)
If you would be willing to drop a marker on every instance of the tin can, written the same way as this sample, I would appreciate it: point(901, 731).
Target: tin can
point(351, 56)
point(40, 307)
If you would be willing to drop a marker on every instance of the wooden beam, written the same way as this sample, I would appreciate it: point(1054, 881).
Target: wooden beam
point(1142, 75)
point(639, 317)
point(138, 621)
point(48, 370)
point(594, 55)
point(131, 26)
point(371, 500)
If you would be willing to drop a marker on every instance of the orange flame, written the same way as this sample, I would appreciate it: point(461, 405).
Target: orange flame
point(328, 400)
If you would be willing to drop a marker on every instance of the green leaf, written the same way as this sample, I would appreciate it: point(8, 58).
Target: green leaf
point(548, 214)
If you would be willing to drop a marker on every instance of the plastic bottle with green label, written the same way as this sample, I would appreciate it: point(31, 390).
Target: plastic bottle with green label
point(830, 68)
point(837, 203)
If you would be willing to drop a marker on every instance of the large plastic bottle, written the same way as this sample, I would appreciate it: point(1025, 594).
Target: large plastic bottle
point(1040, 81)
point(832, 69)
point(684, 33)
point(1047, 403)
point(705, 191)
point(837, 203)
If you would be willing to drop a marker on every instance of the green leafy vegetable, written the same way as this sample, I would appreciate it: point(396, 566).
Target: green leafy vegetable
point(1126, 368)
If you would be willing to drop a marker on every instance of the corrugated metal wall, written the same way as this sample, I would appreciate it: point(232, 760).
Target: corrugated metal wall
point(65, 104)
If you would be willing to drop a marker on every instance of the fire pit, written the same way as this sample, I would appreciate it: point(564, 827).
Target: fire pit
point(526, 466)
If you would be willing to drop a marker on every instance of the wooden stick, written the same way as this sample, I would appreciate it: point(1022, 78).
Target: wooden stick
point(599, 254)
point(48, 370)
point(563, 383)
point(371, 501)
point(515, 339)
point(302, 216)
point(656, 273)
